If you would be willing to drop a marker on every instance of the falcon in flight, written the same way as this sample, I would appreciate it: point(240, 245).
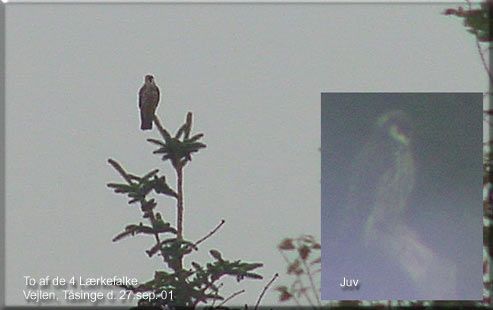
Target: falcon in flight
point(148, 101)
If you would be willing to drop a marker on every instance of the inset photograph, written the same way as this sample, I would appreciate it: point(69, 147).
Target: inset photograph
point(401, 206)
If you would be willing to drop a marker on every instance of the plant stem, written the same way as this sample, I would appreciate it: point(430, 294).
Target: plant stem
point(265, 289)
point(299, 281)
point(210, 233)
point(480, 51)
point(231, 297)
point(312, 284)
point(179, 213)
point(179, 221)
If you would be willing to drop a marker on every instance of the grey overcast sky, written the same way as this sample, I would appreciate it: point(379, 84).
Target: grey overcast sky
point(253, 77)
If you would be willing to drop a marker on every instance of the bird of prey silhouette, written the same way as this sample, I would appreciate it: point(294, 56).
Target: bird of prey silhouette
point(148, 101)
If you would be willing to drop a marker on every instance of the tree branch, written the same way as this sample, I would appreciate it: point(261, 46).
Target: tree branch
point(480, 50)
point(120, 170)
point(210, 233)
point(265, 289)
point(179, 220)
point(161, 129)
point(231, 297)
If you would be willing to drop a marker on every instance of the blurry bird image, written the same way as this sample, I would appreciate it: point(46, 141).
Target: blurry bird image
point(148, 101)
point(382, 175)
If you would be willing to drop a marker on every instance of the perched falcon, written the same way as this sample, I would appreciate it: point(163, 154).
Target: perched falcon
point(382, 175)
point(148, 101)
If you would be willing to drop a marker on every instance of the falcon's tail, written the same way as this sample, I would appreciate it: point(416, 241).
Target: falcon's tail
point(145, 121)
